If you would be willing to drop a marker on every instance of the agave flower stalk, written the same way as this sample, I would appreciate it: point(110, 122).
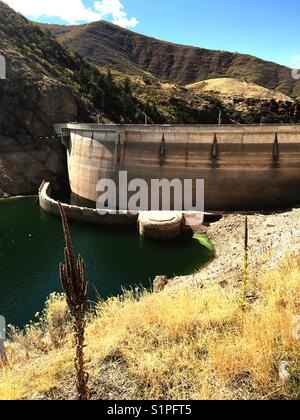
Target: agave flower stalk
point(74, 282)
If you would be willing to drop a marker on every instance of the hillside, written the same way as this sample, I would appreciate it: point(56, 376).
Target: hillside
point(231, 89)
point(47, 83)
point(108, 45)
point(239, 102)
point(248, 100)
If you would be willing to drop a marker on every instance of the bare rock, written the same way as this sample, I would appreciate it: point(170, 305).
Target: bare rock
point(159, 283)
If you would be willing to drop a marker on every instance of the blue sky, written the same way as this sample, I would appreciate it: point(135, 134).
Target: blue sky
point(269, 29)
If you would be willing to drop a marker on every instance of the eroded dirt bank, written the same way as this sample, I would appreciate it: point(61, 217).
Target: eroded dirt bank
point(270, 238)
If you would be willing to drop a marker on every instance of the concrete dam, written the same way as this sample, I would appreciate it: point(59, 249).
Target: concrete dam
point(251, 167)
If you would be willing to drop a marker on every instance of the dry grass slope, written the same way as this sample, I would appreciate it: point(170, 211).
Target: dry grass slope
point(189, 344)
point(227, 87)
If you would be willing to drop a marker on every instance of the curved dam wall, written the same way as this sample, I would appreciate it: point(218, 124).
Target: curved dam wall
point(157, 228)
point(244, 167)
point(83, 214)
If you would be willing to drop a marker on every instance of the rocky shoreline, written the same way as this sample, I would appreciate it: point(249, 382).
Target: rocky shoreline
point(25, 163)
point(270, 238)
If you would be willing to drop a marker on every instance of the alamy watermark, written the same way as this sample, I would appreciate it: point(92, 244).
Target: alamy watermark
point(2, 67)
point(139, 195)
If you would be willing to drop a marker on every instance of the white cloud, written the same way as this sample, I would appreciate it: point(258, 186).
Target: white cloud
point(115, 9)
point(74, 11)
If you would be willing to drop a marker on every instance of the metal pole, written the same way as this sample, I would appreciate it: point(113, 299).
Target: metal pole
point(220, 117)
point(146, 118)
point(2, 337)
point(2, 351)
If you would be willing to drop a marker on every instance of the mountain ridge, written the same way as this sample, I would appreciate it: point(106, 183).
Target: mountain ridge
point(47, 83)
point(106, 44)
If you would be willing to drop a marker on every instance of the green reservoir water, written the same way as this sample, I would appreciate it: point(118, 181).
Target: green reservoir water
point(31, 248)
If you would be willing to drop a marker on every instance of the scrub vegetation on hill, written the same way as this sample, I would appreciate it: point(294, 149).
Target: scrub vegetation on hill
point(238, 102)
point(47, 83)
point(196, 343)
point(108, 45)
point(102, 72)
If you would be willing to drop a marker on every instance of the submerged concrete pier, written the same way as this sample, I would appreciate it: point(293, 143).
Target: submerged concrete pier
point(251, 167)
point(160, 225)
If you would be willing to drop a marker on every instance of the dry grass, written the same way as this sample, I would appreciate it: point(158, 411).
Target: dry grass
point(234, 88)
point(189, 344)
